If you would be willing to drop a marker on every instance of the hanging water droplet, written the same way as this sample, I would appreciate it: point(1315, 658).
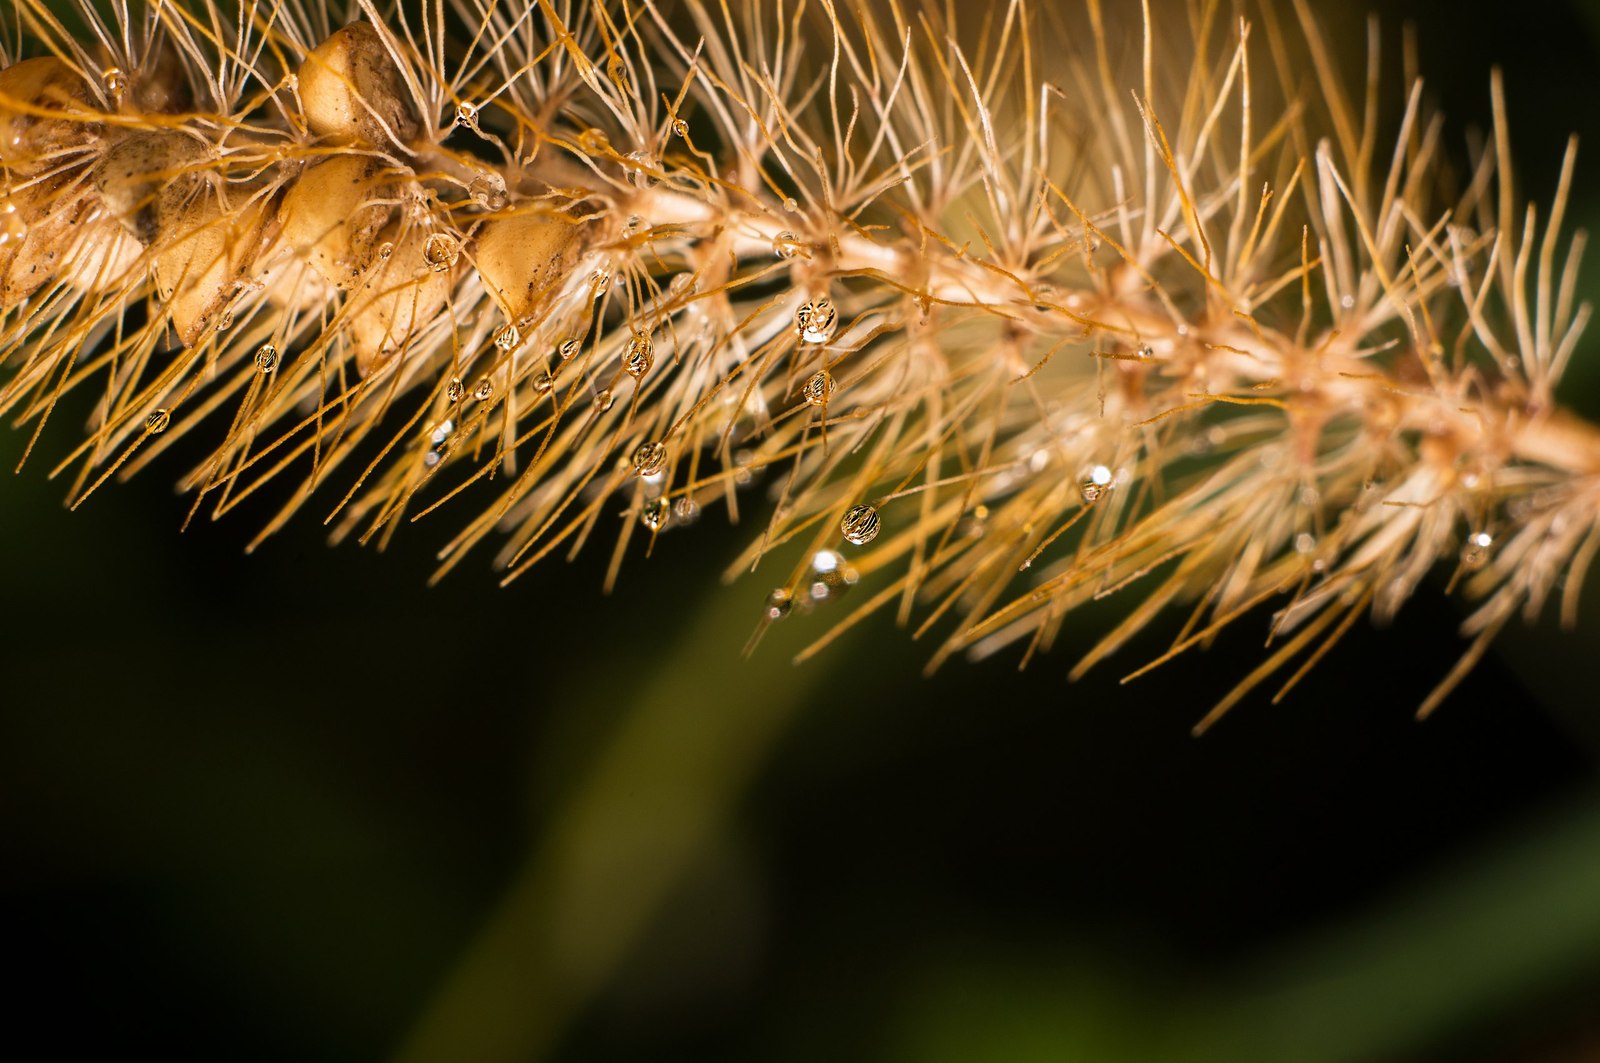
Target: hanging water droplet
point(680, 127)
point(266, 358)
point(820, 388)
point(488, 190)
point(685, 510)
point(1145, 352)
point(569, 350)
point(225, 319)
point(639, 356)
point(508, 338)
point(860, 524)
point(655, 514)
point(604, 399)
point(829, 577)
point(1475, 551)
point(816, 321)
point(599, 281)
point(786, 244)
point(157, 422)
point(116, 82)
point(1095, 483)
point(543, 383)
point(440, 251)
point(791, 205)
point(639, 168)
point(467, 114)
point(385, 249)
point(634, 223)
point(484, 391)
point(453, 390)
point(779, 603)
point(649, 458)
point(1305, 544)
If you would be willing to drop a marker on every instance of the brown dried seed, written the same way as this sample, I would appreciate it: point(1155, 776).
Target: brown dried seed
point(352, 90)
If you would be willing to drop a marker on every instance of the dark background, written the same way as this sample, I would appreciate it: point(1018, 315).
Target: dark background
point(296, 804)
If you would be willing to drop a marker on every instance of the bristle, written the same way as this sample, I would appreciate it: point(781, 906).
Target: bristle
point(1058, 325)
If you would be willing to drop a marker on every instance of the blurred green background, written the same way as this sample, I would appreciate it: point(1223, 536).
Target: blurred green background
point(298, 805)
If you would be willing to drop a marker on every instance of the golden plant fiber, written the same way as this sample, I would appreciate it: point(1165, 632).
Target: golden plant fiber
point(1166, 311)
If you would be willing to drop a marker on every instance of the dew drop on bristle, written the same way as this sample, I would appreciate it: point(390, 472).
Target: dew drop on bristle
point(820, 388)
point(685, 510)
point(543, 383)
point(508, 338)
point(599, 282)
point(639, 166)
point(860, 524)
point(656, 514)
point(604, 399)
point(484, 391)
point(786, 244)
point(266, 358)
point(467, 115)
point(157, 422)
point(569, 350)
point(649, 458)
point(1095, 483)
point(454, 390)
point(779, 603)
point(440, 251)
point(816, 321)
point(488, 190)
point(639, 356)
point(680, 128)
point(1476, 550)
point(116, 82)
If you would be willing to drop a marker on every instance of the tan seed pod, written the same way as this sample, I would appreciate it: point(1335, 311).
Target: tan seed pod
point(525, 258)
point(30, 141)
point(41, 228)
point(333, 213)
point(397, 299)
point(352, 90)
point(148, 180)
point(203, 254)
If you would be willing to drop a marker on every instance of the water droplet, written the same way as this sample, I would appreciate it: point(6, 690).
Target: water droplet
point(820, 388)
point(599, 281)
point(157, 422)
point(1305, 543)
point(1094, 484)
point(685, 510)
point(116, 81)
point(508, 338)
point(569, 349)
point(779, 603)
point(266, 358)
point(225, 319)
point(453, 391)
point(1475, 551)
point(639, 356)
point(860, 524)
point(440, 251)
point(640, 165)
point(604, 399)
point(680, 127)
point(488, 190)
point(385, 249)
point(484, 391)
point(593, 141)
point(441, 433)
point(467, 114)
point(1347, 301)
point(791, 205)
point(786, 244)
point(543, 383)
point(1145, 352)
point(830, 576)
point(816, 321)
point(634, 223)
point(649, 458)
point(655, 514)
